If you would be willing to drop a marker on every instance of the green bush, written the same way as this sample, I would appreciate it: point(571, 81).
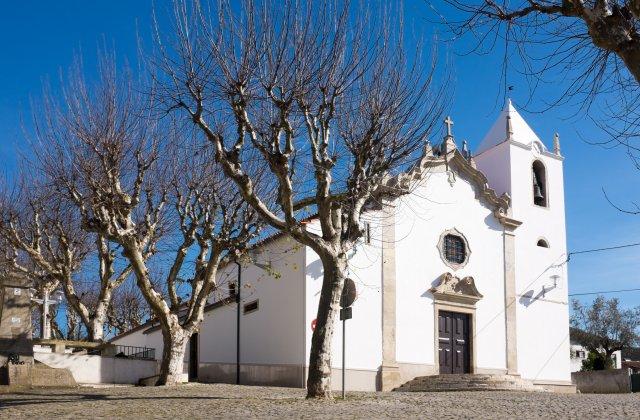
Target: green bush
point(596, 361)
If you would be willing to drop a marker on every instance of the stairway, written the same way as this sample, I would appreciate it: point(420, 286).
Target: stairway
point(469, 382)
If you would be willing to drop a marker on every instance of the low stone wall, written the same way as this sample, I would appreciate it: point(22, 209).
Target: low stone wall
point(88, 369)
point(613, 381)
point(36, 375)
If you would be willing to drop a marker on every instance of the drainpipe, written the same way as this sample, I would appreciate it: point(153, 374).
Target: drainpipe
point(239, 287)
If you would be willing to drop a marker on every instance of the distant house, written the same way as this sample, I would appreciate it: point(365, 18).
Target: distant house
point(631, 359)
point(579, 353)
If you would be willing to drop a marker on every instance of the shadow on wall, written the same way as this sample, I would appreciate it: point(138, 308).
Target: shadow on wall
point(315, 269)
point(528, 297)
point(492, 222)
point(90, 369)
point(435, 282)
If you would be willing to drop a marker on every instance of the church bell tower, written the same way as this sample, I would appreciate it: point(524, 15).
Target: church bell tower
point(517, 162)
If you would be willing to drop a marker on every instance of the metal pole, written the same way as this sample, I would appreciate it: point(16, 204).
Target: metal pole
point(238, 323)
point(344, 326)
point(45, 327)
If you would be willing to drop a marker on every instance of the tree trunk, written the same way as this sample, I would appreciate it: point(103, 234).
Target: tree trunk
point(319, 380)
point(174, 339)
point(95, 328)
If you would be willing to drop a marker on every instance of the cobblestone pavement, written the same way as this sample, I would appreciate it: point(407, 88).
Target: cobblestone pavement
point(217, 400)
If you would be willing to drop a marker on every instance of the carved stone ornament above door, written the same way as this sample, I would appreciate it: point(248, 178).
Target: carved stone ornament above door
point(453, 289)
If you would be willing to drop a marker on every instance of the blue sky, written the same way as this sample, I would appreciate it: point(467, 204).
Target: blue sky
point(39, 38)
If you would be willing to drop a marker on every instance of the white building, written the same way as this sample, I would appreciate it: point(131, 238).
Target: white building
point(579, 354)
point(467, 274)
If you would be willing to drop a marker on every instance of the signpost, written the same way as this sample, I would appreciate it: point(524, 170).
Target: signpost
point(346, 300)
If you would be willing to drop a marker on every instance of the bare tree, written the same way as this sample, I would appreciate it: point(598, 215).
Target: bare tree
point(325, 95)
point(128, 309)
point(604, 326)
point(45, 239)
point(612, 26)
point(132, 184)
point(590, 47)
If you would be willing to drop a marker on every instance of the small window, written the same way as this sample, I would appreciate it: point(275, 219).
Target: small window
point(250, 307)
point(454, 249)
point(232, 289)
point(542, 243)
point(367, 233)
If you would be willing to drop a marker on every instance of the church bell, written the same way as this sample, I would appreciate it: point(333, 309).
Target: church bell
point(537, 191)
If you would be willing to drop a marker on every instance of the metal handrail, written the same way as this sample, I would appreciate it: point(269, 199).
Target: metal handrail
point(130, 352)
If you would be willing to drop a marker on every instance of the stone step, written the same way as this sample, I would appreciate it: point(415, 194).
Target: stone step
point(468, 382)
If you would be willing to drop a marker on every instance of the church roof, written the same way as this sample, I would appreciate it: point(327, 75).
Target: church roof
point(521, 132)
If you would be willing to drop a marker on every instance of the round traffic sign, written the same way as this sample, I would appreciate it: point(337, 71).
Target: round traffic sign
point(349, 293)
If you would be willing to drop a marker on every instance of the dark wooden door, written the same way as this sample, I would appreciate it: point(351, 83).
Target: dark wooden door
point(193, 357)
point(453, 342)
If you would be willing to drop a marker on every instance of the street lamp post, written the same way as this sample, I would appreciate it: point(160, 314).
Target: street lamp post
point(238, 288)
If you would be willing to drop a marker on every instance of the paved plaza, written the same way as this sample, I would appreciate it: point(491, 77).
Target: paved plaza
point(231, 401)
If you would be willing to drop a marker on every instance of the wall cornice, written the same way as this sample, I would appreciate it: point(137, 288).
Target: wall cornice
point(453, 162)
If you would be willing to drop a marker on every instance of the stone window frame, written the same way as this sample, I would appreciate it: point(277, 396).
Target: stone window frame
point(443, 257)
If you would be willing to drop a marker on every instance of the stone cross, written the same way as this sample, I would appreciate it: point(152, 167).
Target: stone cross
point(449, 122)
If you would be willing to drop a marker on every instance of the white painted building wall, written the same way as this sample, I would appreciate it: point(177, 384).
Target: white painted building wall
point(363, 331)
point(274, 333)
point(542, 311)
point(422, 217)
point(579, 354)
point(89, 369)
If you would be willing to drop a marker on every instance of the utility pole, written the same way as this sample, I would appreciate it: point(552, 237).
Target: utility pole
point(238, 288)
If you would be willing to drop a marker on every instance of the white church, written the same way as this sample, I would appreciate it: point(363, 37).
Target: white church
point(465, 274)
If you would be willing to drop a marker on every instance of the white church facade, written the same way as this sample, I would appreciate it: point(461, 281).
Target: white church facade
point(465, 274)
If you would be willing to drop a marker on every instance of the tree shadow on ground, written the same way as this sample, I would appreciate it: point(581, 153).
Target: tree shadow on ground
point(75, 398)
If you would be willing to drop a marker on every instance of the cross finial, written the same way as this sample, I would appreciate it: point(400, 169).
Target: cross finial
point(449, 122)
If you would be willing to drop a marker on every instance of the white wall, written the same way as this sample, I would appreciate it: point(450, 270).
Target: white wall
point(422, 217)
point(576, 362)
point(274, 333)
point(494, 163)
point(271, 335)
point(363, 331)
point(543, 313)
point(88, 369)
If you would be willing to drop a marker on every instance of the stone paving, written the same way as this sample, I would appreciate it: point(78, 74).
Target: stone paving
point(231, 401)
